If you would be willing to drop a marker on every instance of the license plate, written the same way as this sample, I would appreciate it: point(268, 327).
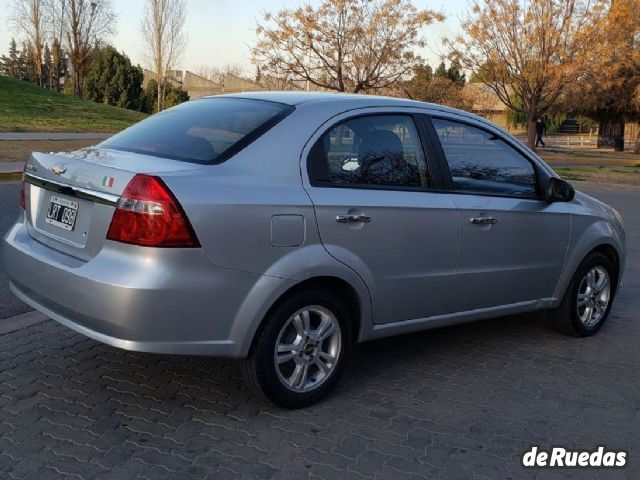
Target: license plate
point(62, 213)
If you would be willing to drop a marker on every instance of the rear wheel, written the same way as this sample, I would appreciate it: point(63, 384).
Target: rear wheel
point(301, 350)
point(589, 297)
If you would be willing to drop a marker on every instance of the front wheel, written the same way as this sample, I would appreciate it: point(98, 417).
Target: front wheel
point(301, 350)
point(587, 302)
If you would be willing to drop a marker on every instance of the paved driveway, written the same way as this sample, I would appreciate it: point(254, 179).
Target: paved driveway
point(9, 193)
point(456, 403)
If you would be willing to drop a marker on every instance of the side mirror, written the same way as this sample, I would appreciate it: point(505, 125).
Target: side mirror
point(559, 190)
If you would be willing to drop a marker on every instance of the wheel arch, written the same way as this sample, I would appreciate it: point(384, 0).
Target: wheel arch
point(609, 251)
point(604, 246)
point(353, 301)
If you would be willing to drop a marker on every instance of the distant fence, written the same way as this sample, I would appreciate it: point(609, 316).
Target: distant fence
point(576, 140)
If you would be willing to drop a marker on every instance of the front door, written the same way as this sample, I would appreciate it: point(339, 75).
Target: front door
point(513, 243)
point(370, 186)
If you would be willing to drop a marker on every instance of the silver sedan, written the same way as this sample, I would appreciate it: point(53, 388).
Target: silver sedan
point(282, 228)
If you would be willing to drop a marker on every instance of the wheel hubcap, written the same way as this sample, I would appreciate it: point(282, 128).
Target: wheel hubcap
point(593, 296)
point(307, 348)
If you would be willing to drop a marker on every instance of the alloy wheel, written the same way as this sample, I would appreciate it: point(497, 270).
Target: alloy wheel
point(593, 296)
point(307, 349)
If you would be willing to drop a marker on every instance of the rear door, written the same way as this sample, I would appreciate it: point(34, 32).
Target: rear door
point(379, 212)
point(513, 242)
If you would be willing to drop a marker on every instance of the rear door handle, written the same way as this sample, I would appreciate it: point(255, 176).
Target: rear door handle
point(483, 220)
point(353, 218)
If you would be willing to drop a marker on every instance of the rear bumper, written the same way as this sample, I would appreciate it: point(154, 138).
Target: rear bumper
point(171, 301)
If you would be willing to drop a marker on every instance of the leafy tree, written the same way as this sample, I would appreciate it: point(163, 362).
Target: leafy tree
point(111, 79)
point(58, 64)
point(10, 65)
point(85, 23)
point(455, 74)
point(28, 63)
point(607, 92)
point(343, 45)
point(172, 96)
point(529, 52)
point(444, 86)
point(441, 71)
point(47, 67)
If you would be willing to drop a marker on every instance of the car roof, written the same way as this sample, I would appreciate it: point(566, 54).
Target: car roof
point(299, 98)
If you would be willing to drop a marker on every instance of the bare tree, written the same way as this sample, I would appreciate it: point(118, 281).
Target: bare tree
point(343, 45)
point(27, 18)
point(529, 52)
point(54, 11)
point(86, 23)
point(164, 38)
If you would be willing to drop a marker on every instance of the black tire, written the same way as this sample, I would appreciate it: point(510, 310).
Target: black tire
point(566, 316)
point(259, 367)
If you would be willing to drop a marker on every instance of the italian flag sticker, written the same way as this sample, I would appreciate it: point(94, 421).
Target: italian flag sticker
point(107, 182)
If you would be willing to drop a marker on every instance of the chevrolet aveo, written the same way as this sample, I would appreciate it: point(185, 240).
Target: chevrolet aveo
point(282, 228)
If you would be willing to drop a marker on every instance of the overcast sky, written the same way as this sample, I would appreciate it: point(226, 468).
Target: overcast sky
point(222, 31)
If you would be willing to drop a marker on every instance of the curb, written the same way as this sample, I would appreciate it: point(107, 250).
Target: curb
point(48, 136)
point(11, 170)
point(19, 322)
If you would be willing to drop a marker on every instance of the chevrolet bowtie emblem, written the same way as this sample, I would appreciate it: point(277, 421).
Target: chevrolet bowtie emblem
point(59, 169)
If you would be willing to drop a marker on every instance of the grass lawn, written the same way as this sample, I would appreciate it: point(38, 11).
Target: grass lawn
point(601, 166)
point(624, 176)
point(25, 107)
point(587, 156)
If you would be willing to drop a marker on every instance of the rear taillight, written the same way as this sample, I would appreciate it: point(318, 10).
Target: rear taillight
point(148, 214)
point(23, 202)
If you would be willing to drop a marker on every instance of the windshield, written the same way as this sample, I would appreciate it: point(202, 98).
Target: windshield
point(208, 130)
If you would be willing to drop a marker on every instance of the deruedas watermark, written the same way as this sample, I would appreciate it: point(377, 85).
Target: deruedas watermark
point(561, 457)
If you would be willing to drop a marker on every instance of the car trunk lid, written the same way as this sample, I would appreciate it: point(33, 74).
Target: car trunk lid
point(71, 196)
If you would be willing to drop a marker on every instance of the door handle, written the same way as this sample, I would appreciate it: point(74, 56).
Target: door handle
point(353, 218)
point(483, 220)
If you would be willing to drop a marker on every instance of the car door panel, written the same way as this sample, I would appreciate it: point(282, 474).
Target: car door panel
point(518, 258)
point(368, 182)
point(512, 242)
point(407, 252)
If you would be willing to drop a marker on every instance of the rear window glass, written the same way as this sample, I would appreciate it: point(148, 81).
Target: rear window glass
point(200, 131)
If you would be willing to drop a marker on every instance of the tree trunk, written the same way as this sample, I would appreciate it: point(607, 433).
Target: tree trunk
point(531, 132)
point(636, 147)
point(531, 127)
point(619, 141)
point(77, 87)
point(602, 141)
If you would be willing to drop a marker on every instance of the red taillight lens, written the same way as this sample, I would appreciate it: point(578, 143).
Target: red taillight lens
point(148, 214)
point(23, 202)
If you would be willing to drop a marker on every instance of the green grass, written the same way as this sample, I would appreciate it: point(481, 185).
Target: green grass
point(25, 107)
point(569, 173)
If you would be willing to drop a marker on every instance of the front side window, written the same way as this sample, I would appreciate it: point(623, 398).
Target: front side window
point(481, 161)
point(200, 131)
point(383, 150)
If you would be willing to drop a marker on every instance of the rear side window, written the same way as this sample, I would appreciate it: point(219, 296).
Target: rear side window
point(209, 130)
point(382, 150)
point(480, 161)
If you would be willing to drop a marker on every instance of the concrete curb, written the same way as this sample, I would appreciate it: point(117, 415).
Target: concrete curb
point(19, 322)
point(9, 136)
point(11, 168)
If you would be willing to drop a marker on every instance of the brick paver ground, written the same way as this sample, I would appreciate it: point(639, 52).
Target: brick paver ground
point(457, 403)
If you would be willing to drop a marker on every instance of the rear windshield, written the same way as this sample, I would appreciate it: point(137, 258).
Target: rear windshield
point(208, 130)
